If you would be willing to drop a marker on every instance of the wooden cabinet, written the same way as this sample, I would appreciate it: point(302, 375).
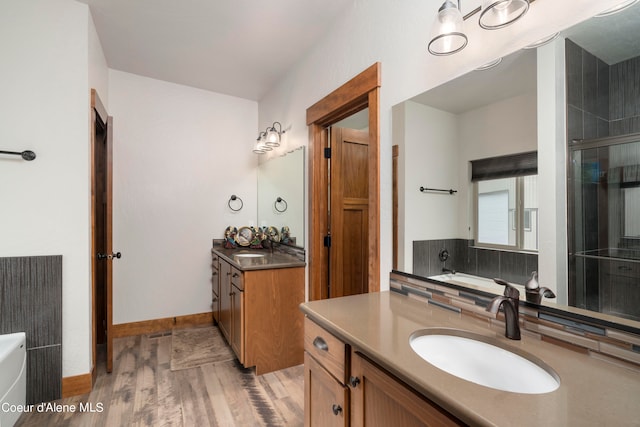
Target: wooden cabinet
point(326, 400)
point(326, 395)
point(225, 300)
point(215, 288)
point(344, 388)
point(237, 319)
point(259, 315)
point(378, 398)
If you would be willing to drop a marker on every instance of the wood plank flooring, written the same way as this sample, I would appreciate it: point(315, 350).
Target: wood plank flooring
point(143, 391)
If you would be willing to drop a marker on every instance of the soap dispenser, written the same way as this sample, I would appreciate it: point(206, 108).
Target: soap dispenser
point(533, 290)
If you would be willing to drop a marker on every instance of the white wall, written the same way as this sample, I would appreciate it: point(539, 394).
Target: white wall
point(396, 34)
point(552, 165)
point(179, 154)
point(504, 127)
point(44, 106)
point(430, 153)
point(436, 151)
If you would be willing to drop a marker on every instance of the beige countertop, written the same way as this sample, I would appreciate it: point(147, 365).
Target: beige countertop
point(592, 392)
point(270, 260)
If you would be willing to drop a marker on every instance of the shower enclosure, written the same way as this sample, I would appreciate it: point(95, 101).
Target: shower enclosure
point(604, 232)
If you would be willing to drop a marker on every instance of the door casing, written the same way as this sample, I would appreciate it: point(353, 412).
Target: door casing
point(360, 92)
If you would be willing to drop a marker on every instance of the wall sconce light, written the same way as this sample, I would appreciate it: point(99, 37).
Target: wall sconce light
point(447, 35)
point(269, 138)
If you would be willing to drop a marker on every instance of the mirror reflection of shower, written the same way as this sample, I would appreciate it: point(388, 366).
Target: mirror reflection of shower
point(604, 207)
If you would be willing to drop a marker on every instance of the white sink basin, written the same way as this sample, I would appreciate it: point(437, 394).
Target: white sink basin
point(249, 255)
point(483, 361)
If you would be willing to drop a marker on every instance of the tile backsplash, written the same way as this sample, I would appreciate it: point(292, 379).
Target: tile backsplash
point(515, 267)
point(609, 341)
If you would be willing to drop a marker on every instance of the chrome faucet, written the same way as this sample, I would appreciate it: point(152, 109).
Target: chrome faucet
point(534, 291)
point(510, 302)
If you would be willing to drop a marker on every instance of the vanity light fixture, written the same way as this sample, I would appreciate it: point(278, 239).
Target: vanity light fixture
point(495, 14)
point(447, 34)
point(618, 8)
point(261, 146)
point(274, 135)
point(269, 138)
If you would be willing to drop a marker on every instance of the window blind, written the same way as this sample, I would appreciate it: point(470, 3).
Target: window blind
point(520, 164)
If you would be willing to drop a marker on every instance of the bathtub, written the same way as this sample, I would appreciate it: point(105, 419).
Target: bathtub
point(13, 377)
point(475, 282)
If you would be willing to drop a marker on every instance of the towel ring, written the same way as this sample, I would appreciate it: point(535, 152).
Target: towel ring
point(280, 201)
point(234, 198)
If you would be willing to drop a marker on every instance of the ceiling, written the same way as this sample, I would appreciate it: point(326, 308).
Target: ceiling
point(612, 38)
point(235, 47)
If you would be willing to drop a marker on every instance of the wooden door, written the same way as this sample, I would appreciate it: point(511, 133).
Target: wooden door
point(360, 92)
point(349, 212)
point(378, 399)
point(102, 230)
point(326, 401)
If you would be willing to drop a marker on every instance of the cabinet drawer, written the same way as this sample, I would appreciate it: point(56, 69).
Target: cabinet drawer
point(326, 349)
point(237, 278)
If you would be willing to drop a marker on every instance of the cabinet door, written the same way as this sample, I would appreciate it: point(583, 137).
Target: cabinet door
point(237, 322)
point(215, 288)
point(225, 300)
point(326, 401)
point(378, 399)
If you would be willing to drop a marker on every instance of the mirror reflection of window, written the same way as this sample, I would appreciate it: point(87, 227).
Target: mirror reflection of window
point(507, 212)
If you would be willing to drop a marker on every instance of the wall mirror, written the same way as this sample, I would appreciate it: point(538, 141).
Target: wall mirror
point(281, 186)
point(587, 78)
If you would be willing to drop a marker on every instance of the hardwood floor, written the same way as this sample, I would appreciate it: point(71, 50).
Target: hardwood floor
point(143, 391)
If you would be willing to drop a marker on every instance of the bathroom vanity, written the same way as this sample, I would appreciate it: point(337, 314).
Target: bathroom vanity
point(255, 299)
point(359, 366)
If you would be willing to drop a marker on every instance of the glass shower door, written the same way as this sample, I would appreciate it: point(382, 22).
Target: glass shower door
point(604, 221)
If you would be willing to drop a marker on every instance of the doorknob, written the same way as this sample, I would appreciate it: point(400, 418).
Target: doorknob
point(109, 256)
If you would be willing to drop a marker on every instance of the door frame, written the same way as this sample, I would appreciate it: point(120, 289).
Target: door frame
point(99, 112)
point(360, 92)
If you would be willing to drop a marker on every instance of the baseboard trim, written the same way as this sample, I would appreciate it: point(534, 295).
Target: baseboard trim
point(159, 325)
point(77, 385)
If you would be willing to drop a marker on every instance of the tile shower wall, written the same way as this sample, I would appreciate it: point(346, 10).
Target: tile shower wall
point(602, 99)
point(31, 302)
point(514, 267)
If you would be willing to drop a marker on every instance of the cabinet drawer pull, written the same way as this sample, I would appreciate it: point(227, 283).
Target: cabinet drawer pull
point(215, 258)
point(215, 273)
point(235, 275)
point(336, 409)
point(215, 299)
point(320, 344)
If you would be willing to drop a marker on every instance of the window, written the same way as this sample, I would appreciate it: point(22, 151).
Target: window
point(506, 192)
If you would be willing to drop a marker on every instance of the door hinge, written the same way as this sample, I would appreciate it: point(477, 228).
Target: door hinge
point(327, 241)
point(327, 153)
